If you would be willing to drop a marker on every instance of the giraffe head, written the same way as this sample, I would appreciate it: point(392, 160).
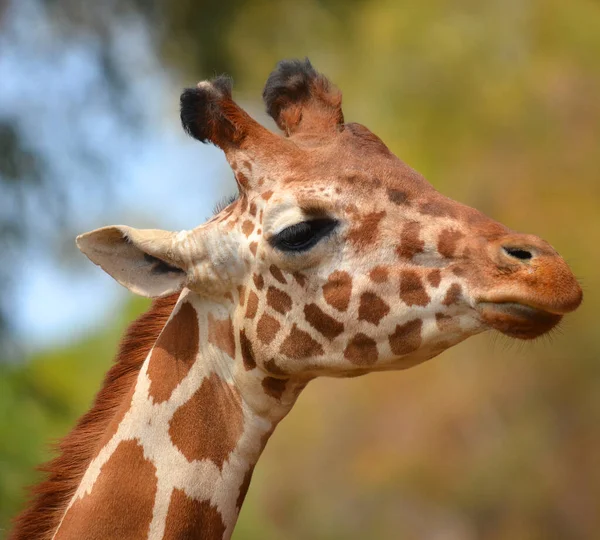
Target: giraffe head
point(336, 258)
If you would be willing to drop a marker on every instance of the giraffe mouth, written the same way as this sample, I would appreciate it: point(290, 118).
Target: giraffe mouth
point(518, 320)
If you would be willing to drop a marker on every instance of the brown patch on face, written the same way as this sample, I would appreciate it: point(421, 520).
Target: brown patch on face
point(244, 488)
point(242, 179)
point(406, 338)
point(361, 350)
point(220, 334)
point(300, 278)
point(452, 295)
point(274, 387)
point(323, 323)
point(189, 518)
point(128, 477)
point(252, 306)
point(277, 274)
point(372, 308)
point(174, 353)
point(365, 233)
point(338, 289)
point(272, 367)
point(252, 209)
point(299, 344)
point(279, 300)
point(253, 247)
point(267, 195)
point(447, 242)
point(259, 281)
point(215, 411)
point(446, 323)
point(458, 271)
point(267, 328)
point(438, 208)
point(247, 227)
point(247, 352)
point(434, 277)
point(397, 196)
point(410, 241)
point(412, 291)
point(379, 274)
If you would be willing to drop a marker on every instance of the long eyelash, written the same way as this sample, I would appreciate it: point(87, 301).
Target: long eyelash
point(225, 202)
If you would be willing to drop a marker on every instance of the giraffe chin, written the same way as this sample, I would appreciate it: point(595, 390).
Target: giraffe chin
point(517, 320)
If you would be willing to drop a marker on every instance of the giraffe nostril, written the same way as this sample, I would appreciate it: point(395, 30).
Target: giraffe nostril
point(518, 253)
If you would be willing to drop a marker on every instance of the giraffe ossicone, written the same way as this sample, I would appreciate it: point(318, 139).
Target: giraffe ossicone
point(336, 259)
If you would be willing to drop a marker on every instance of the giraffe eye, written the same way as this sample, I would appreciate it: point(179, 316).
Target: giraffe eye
point(304, 235)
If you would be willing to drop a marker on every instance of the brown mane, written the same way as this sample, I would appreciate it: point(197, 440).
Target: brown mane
point(50, 498)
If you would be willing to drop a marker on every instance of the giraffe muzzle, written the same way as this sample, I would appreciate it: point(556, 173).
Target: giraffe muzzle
point(531, 290)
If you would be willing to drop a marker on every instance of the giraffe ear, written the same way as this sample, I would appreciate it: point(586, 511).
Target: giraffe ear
point(145, 261)
point(300, 99)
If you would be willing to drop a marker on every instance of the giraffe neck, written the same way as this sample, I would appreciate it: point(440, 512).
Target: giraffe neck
point(178, 456)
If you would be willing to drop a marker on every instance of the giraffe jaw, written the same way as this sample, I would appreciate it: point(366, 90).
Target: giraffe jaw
point(517, 320)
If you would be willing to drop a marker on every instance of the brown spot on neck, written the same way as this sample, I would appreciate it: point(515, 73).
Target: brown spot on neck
point(379, 274)
point(247, 352)
point(299, 344)
point(322, 322)
point(412, 291)
point(220, 334)
point(121, 501)
point(447, 242)
point(439, 207)
point(274, 387)
point(452, 295)
point(406, 338)
point(434, 277)
point(410, 241)
point(252, 305)
point(277, 274)
point(279, 300)
point(267, 328)
point(189, 518)
point(338, 290)
point(210, 424)
point(300, 278)
point(247, 228)
point(397, 196)
point(372, 308)
point(174, 353)
point(361, 350)
point(259, 281)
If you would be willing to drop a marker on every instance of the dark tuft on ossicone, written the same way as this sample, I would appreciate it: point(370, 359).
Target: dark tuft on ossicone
point(200, 108)
point(299, 98)
point(289, 82)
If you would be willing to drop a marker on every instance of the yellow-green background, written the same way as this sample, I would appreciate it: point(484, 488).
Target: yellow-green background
point(497, 103)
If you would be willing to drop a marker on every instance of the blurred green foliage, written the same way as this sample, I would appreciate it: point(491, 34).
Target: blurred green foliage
point(497, 104)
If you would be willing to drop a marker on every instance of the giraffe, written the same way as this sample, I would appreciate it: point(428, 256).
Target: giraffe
point(336, 259)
